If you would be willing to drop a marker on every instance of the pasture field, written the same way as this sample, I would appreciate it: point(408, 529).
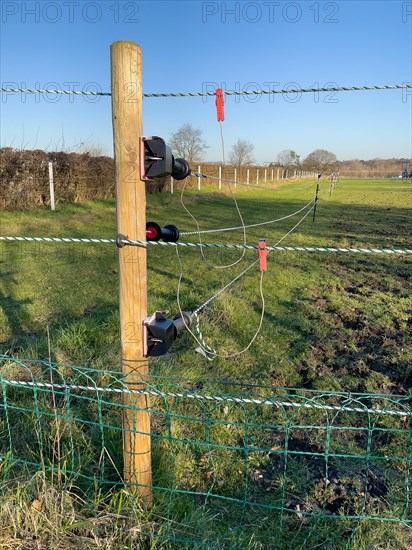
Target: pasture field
point(331, 322)
point(344, 317)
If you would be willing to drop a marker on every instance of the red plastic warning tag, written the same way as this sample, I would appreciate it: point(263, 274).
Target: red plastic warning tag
point(220, 102)
point(262, 254)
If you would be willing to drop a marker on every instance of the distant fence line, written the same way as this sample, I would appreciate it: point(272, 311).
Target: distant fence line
point(79, 177)
point(219, 449)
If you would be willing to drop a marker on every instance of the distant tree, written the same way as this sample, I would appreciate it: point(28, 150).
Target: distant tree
point(321, 161)
point(242, 153)
point(287, 158)
point(188, 143)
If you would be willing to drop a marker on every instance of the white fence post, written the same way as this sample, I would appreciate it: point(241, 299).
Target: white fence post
point(198, 178)
point(265, 174)
point(257, 176)
point(277, 176)
point(272, 175)
point(220, 177)
point(51, 183)
point(235, 178)
point(171, 185)
point(247, 176)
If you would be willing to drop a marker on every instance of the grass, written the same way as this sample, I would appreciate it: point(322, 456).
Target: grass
point(331, 322)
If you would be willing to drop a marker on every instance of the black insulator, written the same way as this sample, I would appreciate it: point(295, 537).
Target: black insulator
point(181, 169)
point(168, 233)
point(160, 332)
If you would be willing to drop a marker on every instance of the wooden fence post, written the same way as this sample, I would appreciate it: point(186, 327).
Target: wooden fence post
point(51, 184)
point(126, 68)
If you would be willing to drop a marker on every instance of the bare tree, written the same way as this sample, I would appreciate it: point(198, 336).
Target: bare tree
point(188, 143)
point(242, 153)
point(320, 161)
point(287, 157)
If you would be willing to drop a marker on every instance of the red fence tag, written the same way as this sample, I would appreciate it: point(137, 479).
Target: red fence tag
point(262, 254)
point(220, 102)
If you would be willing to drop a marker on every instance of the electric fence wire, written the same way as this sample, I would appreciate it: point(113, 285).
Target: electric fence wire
point(268, 249)
point(144, 244)
point(249, 225)
point(268, 401)
point(206, 350)
point(198, 232)
point(404, 86)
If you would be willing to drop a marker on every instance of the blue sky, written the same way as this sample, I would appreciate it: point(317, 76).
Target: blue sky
point(188, 46)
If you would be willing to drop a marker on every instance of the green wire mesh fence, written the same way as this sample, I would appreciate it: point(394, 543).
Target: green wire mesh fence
point(233, 466)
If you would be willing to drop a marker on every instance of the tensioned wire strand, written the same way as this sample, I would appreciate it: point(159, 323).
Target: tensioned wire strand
point(249, 225)
point(209, 352)
point(404, 86)
point(91, 371)
point(311, 403)
point(204, 347)
point(315, 248)
point(202, 397)
point(199, 232)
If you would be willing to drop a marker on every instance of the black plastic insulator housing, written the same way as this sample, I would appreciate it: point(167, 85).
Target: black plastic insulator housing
point(162, 334)
point(181, 168)
point(169, 233)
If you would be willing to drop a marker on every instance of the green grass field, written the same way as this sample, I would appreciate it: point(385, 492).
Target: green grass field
point(333, 322)
point(344, 317)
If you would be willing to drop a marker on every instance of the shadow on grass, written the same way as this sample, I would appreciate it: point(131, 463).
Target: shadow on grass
point(13, 308)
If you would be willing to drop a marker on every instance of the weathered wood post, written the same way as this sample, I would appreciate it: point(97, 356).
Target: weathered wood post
point(126, 67)
point(51, 186)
